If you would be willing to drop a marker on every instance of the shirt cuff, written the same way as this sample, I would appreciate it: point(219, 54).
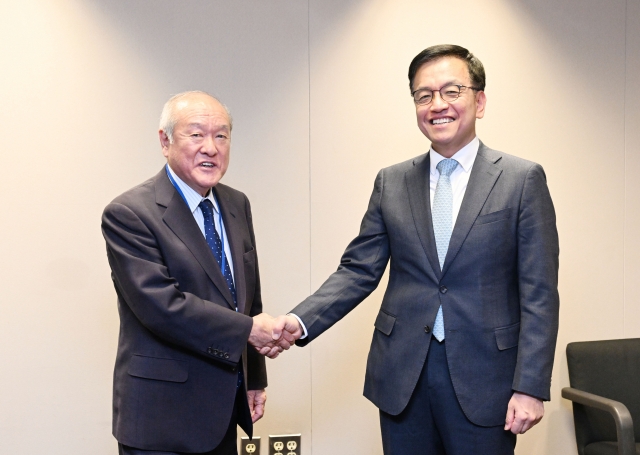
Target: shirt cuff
point(304, 328)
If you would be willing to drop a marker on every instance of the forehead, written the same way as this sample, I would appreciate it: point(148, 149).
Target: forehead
point(441, 71)
point(198, 109)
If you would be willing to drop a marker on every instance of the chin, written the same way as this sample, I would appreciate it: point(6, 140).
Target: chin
point(209, 180)
point(212, 183)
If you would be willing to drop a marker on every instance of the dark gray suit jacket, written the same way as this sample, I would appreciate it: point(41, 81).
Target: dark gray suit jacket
point(181, 341)
point(498, 286)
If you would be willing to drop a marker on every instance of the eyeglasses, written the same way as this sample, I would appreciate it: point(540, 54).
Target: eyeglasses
point(448, 93)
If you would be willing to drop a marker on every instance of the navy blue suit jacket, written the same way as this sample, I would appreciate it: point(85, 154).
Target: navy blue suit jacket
point(497, 288)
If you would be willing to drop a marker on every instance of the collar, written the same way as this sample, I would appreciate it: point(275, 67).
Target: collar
point(192, 196)
point(465, 156)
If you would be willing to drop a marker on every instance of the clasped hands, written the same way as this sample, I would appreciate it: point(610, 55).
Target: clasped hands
point(270, 336)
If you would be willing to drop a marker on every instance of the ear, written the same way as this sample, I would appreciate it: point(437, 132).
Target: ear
point(481, 102)
point(164, 142)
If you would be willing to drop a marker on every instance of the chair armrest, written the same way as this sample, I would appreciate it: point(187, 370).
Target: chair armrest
point(619, 412)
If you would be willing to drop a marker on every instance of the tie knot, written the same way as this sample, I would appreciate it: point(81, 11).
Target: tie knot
point(446, 167)
point(207, 208)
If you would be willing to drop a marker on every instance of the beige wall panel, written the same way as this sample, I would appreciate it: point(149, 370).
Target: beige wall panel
point(82, 85)
point(546, 62)
point(632, 180)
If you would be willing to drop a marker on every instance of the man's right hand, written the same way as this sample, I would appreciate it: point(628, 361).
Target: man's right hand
point(287, 330)
point(289, 326)
point(269, 335)
point(262, 336)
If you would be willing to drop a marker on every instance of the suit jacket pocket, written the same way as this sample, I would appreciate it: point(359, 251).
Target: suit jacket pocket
point(507, 337)
point(493, 217)
point(249, 256)
point(159, 369)
point(385, 322)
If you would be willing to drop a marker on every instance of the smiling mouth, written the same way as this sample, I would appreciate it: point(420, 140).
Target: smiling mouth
point(440, 121)
point(207, 165)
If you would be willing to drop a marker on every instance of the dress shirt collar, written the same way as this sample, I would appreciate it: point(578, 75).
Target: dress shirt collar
point(465, 156)
point(192, 196)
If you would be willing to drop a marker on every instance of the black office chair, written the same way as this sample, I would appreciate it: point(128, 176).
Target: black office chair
point(604, 375)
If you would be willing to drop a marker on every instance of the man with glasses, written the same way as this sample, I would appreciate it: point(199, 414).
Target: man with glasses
point(463, 346)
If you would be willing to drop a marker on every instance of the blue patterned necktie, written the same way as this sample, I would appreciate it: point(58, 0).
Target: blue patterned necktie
point(442, 216)
point(213, 239)
point(214, 242)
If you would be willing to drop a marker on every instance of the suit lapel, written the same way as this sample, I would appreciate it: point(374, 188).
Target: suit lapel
point(417, 180)
point(180, 220)
point(481, 181)
point(233, 230)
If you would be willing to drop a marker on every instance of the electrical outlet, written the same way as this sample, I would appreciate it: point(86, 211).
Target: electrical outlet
point(250, 446)
point(286, 444)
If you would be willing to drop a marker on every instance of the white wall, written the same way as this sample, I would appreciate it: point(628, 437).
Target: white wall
point(320, 100)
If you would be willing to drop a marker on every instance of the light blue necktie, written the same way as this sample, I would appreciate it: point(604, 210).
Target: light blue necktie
point(442, 216)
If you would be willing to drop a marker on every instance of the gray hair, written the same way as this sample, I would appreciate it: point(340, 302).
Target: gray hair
point(168, 118)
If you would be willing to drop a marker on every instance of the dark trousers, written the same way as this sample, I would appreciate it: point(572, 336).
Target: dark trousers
point(228, 445)
point(433, 422)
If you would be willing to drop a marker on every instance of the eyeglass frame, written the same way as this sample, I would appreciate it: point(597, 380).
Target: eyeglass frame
point(460, 87)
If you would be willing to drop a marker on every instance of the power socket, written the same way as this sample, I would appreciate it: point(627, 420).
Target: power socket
point(250, 446)
point(287, 444)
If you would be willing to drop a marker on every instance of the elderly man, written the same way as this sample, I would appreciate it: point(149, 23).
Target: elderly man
point(183, 258)
point(463, 346)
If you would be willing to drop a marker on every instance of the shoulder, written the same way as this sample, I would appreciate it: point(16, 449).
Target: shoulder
point(138, 193)
point(505, 160)
point(395, 174)
point(143, 198)
point(404, 166)
point(230, 193)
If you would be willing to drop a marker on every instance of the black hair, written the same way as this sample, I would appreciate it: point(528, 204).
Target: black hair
point(476, 70)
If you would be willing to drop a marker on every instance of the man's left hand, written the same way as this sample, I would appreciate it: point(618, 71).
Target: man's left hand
point(257, 400)
point(523, 412)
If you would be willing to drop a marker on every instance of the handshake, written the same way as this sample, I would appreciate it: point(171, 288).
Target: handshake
point(270, 336)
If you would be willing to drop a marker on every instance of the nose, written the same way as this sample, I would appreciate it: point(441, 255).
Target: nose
point(209, 146)
point(438, 103)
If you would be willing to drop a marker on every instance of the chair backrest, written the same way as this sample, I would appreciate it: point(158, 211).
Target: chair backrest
point(609, 368)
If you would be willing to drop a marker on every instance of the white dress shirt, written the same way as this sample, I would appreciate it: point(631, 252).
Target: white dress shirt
point(459, 177)
point(193, 200)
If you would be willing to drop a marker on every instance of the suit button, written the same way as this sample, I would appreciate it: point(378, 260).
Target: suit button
point(226, 356)
point(443, 289)
point(209, 350)
point(427, 329)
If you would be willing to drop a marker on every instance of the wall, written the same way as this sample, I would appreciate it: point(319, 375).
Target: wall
point(319, 95)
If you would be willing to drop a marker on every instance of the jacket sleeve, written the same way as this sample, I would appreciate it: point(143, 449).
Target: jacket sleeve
point(256, 368)
point(361, 268)
point(538, 252)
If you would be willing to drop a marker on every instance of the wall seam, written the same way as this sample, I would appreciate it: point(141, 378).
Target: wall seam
point(624, 162)
point(310, 216)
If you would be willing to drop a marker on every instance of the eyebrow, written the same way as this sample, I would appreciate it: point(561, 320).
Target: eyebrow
point(451, 82)
point(199, 125)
